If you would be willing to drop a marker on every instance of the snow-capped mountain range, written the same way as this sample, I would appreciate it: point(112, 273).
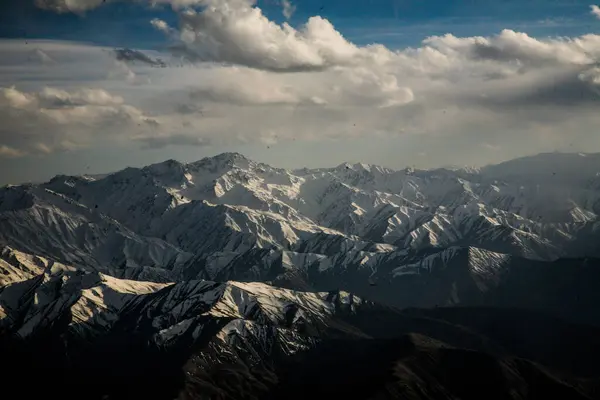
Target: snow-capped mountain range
point(351, 227)
point(231, 279)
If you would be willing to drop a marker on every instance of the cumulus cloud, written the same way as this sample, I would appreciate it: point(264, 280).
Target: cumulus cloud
point(519, 49)
point(237, 32)
point(595, 10)
point(54, 119)
point(252, 80)
point(160, 25)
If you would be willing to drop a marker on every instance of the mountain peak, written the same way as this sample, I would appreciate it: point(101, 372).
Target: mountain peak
point(354, 166)
point(362, 167)
point(164, 166)
point(230, 156)
point(224, 160)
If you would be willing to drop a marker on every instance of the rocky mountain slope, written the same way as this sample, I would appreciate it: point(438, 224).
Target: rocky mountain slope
point(380, 233)
point(230, 279)
point(89, 335)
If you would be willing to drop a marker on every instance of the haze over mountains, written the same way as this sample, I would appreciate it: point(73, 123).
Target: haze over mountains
point(224, 267)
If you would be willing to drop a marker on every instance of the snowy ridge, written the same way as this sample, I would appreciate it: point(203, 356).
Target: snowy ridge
point(95, 302)
point(482, 264)
point(53, 224)
point(422, 208)
point(353, 226)
point(16, 266)
point(249, 323)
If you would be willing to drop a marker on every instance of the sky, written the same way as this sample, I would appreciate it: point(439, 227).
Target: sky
point(93, 86)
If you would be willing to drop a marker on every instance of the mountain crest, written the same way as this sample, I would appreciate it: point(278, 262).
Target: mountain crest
point(224, 160)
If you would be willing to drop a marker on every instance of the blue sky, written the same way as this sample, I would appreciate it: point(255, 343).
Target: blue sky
point(395, 23)
point(530, 85)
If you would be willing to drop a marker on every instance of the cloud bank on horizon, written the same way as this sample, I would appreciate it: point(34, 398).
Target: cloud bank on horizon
point(232, 75)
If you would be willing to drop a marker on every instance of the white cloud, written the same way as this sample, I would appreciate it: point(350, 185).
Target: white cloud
point(244, 86)
point(160, 25)
point(73, 6)
point(122, 71)
point(81, 6)
point(519, 50)
point(288, 8)
point(237, 32)
point(595, 10)
point(255, 81)
point(50, 98)
point(54, 119)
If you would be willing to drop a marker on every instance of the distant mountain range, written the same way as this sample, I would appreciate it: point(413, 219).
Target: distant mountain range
point(352, 227)
point(234, 279)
